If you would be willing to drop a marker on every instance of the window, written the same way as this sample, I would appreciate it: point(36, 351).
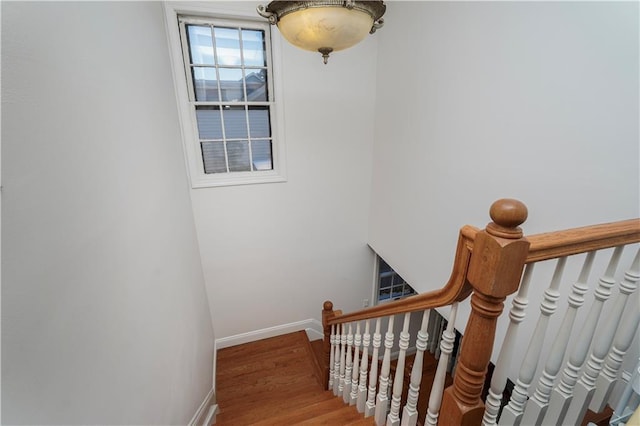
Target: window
point(391, 286)
point(224, 79)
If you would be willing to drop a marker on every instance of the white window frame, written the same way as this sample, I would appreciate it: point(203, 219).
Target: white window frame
point(377, 278)
point(186, 112)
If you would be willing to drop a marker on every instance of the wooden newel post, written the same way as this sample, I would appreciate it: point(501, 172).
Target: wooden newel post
point(327, 313)
point(496, 265)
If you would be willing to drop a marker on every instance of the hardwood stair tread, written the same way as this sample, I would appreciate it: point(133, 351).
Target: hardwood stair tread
point(259, 410)
point(342, 416)
point(305, 412)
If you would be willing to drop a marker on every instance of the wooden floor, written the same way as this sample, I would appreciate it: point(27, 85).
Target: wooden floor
point(274, 382)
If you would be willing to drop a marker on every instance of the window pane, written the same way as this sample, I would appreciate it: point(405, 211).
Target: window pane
point(397, 279)
point(235, 122)
point(231, 84)
point(253, 48)
point(200, 44)
point(384, 294)
point(213, 157)
point(259, 122)
point(396, 292)
point(205, 83)
point(261, 152)
point(256, 81)
point(385, 282)
point(227, 46)
point(209, 123)
point(238, 152)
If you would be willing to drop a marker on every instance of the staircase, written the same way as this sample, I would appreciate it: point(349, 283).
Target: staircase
point(276, 381)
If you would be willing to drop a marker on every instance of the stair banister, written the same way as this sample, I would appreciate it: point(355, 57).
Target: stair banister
point(562, 393)
point(536, 406)
point(496, 265)
point(355, 375)
point(499, 378)
point(370, 405)
point(327, 313)
point(343, 358)
point(364, 369)
point(393, 419)
point(609, 374)
point(488, 264)
point(446, 348)
point(410, 413)
point(585, 387)
point(552, 245)
point(382, 399)
point(346, 391)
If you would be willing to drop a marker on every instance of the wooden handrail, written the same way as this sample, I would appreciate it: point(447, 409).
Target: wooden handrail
point(552, 245)
point(456, 288)
point(544, 246)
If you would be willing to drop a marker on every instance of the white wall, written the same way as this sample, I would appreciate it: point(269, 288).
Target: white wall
point(273, 253)
point(104, 313)
point(530, 100)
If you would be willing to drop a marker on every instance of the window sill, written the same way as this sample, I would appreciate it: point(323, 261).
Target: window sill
point(232, 179)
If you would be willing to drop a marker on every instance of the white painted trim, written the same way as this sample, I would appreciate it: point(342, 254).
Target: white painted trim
point(207, 410)
point(188, 127)
point(312, 326)
point(316, 331)
point(211, 415)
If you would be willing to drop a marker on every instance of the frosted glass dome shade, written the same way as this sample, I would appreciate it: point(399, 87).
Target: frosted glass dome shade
point(334, 28)
point(324, 26)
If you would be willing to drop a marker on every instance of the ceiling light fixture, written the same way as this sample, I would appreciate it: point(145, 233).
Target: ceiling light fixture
point(324, 26)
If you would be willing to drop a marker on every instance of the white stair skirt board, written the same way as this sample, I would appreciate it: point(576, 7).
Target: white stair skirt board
point(205, 414)
point(312, 327)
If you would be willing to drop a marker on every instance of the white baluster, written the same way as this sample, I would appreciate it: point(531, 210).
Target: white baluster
point(609, 374)
point(336, 360)
point(370, 406)
point(410, 412)
point(539, 402)
point(446, 347)
point(332, 356)
point(607, 378)
point(382, 401)
point(499, 378)
point(563, 393)
point(364, 366)
point(513, 412)
point(547, 308)
point(393, 419)
point(357, 341)
point(584, 389)
point(346, 391)
point(343, 358)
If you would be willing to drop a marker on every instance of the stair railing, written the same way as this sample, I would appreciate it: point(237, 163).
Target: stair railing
point(488, 267)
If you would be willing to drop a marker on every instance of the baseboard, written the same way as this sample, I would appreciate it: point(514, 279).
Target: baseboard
point(313, 328)
point(206, 412)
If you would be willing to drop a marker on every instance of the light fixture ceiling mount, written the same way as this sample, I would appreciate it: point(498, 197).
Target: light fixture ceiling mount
point(324, 26)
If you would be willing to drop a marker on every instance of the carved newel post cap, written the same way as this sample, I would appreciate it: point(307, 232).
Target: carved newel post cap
point(507, 215)
point(328, 305)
